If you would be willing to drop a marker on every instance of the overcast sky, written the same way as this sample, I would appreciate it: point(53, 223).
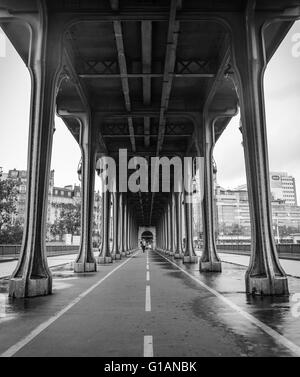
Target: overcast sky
point(282, 91)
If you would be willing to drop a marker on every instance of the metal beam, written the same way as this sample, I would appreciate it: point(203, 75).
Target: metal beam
point(123, 70)
point(144, 135)
point(170, 60)
point(213, 88)
point(146, 28)
point(97, 76)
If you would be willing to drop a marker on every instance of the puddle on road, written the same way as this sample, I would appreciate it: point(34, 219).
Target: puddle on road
point(63, 278)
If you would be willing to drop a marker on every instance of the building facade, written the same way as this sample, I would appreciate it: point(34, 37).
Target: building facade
point(233, 215)
point(283, 187)
point(58, 197)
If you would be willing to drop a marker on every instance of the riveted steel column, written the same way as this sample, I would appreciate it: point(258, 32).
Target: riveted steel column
point(32, 276)
point(85, 262)
point(210, 261)
point(265, 275)
point(189, 253)
point(105, 255)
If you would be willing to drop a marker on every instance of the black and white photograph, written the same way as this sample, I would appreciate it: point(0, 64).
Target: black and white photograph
point(150, 182)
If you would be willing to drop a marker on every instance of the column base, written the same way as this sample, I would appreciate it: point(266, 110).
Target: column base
point(104, 260)
point(210, 266)
point(265, 287)
point(190, 259)
point(178, 256)
point(171, 253)
point(19, 288)
point(167, 252)
point(127, 254)
point(117, 257)
point(85, 267)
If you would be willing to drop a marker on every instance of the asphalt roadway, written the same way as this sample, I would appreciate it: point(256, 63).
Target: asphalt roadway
point(149, 305)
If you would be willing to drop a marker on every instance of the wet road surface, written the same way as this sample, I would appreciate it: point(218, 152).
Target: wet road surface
point(149, 305)
point(7, 267)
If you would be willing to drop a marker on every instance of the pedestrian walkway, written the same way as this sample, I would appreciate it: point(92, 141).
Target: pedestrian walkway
point(149, 305)
point(7, 268)
point(291, 267)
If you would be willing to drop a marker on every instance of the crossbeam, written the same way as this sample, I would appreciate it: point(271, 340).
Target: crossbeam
point(170, 60)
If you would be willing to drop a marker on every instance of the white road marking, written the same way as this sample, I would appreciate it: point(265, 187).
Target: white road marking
point(148, 299)
point(147, 267)
point(148, 276)
point(148, 346)
point(268, 330)
point(38, 330)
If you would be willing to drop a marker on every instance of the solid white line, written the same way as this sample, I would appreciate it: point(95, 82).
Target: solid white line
point(34, 333)
point(148, 276)
point(148, 299)
point(148, 346)
point(268, 330)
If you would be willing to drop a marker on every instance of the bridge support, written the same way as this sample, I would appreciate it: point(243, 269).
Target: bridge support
point(121, 228)
point(178, 219)
point(85, 261)
point(126, 226)
point(210, 261)
point(172, 230)
point(32, 276)
point(105, 255)
point(265, 276)
point(116, 211)
point(189, 253)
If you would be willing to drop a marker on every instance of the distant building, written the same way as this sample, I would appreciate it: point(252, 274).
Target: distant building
point(20, 179)
point(57, 197)
point(232, 211)
point(283, 187)
point(233, 216)
point(60, 196)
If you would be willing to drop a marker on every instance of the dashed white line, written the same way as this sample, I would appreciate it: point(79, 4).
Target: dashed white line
point(148, 276)
point(38, 330)
point(148, 346)
point(148, 299)
point(268, 330)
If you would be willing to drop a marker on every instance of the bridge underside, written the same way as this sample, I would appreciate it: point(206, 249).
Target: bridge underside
point(157, 79)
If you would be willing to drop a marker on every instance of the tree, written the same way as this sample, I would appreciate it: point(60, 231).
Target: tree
point(11, 234)
point(69, 220)
point(8, 200)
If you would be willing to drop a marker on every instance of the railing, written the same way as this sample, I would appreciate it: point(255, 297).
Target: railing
point(13, 251)
point(292, 250)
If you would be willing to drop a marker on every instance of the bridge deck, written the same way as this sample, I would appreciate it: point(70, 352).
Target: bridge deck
point(186, 313)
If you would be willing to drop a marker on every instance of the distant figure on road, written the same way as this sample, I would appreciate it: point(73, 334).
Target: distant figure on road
point(143, 246)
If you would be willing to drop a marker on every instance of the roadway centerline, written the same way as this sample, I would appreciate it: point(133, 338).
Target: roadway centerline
point(43, 326)
point(148, 276)
point(262, 326)
point(148, 346)
point(148, 299)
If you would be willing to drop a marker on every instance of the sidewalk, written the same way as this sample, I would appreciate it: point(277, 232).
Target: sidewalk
point(291, 267)
point(7, 268)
